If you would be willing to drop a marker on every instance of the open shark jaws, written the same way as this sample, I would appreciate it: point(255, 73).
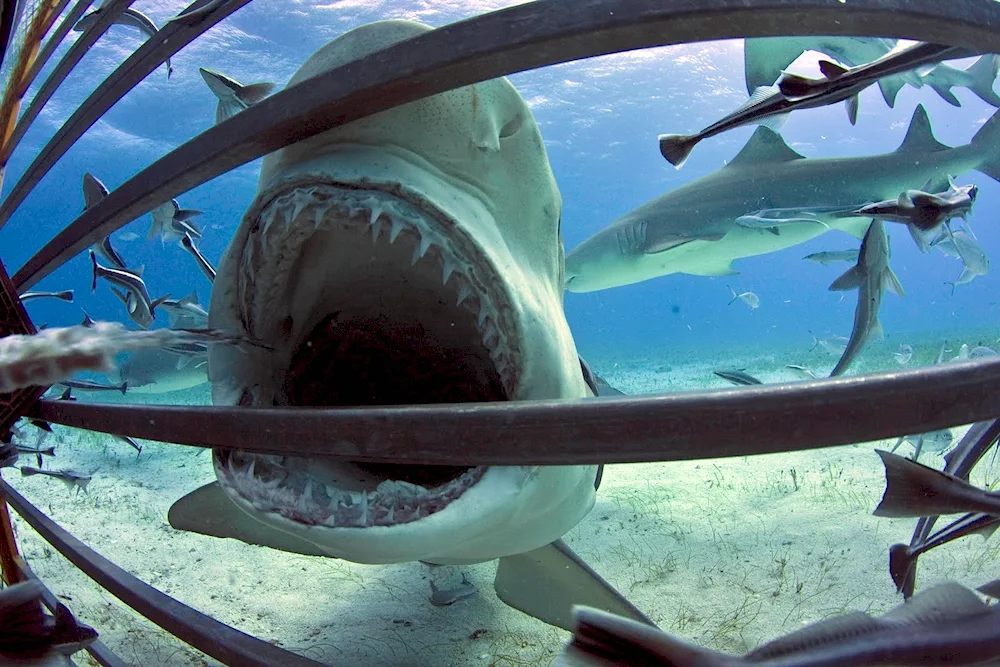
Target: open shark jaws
point(693, 228)
point(413, 256)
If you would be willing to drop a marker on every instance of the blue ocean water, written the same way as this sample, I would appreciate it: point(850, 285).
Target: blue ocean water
point(599, 118)
point(689, 542)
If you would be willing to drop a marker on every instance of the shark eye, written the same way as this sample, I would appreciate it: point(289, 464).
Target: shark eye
point(512, 126)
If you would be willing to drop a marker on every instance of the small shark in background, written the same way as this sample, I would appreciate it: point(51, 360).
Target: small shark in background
point(206, 267)
point(946, 623)
point(871, 276)
point(692, 229)
point(171, 222)
point(159, 371)
point(233, 96)
point(135, 295)
point(824, 257)
point(65, 295)
point(129, 17)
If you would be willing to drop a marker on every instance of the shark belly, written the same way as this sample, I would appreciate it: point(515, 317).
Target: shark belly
point(410, 257)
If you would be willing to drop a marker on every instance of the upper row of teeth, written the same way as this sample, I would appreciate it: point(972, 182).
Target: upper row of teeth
point(318, 200)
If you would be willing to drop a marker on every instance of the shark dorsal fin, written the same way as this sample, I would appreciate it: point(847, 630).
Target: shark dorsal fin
point(920, 137)
point(764, 146)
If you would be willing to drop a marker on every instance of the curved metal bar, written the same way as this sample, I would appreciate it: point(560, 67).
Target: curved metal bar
point(524, 37)
point(686, 426)
point(170, 39)
point(57, 36)
point(222, 642)
point(76, 52)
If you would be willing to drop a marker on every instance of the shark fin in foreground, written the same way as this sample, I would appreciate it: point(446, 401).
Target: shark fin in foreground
point(945, 623)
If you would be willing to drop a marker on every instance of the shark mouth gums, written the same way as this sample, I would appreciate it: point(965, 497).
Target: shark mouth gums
point(369, 297)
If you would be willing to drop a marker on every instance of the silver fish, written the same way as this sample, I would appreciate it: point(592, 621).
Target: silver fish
point(749, 298)
point(904, 355)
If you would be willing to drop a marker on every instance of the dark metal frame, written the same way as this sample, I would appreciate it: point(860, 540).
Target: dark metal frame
point(484, 47)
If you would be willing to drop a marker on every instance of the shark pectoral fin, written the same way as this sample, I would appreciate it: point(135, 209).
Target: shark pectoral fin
point(774, 230)
point(850, 279)
point(547, 582)
point(892, 283)
point(209, 511)
point(852, 109)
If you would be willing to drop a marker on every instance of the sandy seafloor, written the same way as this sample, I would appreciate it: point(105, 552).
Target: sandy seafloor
point(727, 553)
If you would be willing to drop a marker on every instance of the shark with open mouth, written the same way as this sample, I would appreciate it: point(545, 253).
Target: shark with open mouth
point(413, 256)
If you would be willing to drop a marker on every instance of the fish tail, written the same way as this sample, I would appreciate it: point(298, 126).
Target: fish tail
point(986, 144)
point(913, 489)
point(735, 296)
point(676, 148)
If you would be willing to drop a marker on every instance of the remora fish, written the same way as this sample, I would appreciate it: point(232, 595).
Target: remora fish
point(186, 313)
point(769, 106)
point(140, 307)
point(871, 276)
point(385, 514)
point(946, 623)
point(206, 267)
point(87, 385)
point(772, 219)
point(824, 257)
point(93, 192)
point(129, 17)
point(765, 58)
point(802, 372)
point(692, 229)
point(68, 477)
point(171, 222)
point(737, 376)
point(65, 295)
point(233, 95)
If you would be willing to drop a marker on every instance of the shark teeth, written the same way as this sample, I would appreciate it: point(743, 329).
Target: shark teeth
point(288, 221)
point(284, 487)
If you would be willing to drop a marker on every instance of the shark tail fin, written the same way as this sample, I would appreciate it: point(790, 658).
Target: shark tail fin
point(890, 87)
point(677, 147)
point(986, 144)
point(983, 73)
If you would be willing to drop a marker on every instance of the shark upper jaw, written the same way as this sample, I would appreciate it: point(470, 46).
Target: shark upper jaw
point(371, 294)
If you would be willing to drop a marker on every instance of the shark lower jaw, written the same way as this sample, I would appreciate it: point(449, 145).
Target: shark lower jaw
point(368, 297)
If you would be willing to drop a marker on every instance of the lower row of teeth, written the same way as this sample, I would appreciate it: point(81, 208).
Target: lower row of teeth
point(314, 203)
point(315, 503)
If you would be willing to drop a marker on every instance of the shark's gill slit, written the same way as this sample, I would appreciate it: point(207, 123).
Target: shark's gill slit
point(399, 315)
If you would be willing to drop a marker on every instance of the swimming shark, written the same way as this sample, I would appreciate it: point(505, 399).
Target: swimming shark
point(871, 276)
point(693, 228)
point(159, 371)
point(413, 256)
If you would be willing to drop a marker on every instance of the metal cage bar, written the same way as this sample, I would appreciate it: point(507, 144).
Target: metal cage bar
point(670, 427)
point(169, 40)
point(216, 639)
